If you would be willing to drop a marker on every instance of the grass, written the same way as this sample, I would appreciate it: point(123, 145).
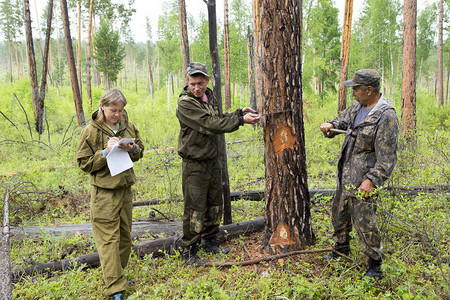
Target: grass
point(48, 189)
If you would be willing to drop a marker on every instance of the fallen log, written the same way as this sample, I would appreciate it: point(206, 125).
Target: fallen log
point(5, 262)
point(154, 247)
point(258, 195)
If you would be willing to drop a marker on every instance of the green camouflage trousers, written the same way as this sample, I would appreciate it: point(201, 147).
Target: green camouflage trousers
point(111, 217)
point(203, 203)
point(362, 213)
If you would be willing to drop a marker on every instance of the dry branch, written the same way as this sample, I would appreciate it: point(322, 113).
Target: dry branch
point(266, 258)
point(154, 247)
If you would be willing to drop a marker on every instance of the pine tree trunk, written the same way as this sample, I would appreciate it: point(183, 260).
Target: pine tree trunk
point(215, 61)
point(258, 49)
point(23, 59)
point(184, 37)
point(39, 127)
point(151, 81)
point(345, 50)
point(17, 59)
point(409, 70)
point(288, 218)
point(80, 81)
point(37, 108)
point(10, 62)
point(148, 68)
point(72, 68)
point(251, 69)
point(440, 80)
point(88, 55)
point(226, 43)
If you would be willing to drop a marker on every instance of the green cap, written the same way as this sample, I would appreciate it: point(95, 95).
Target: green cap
point(196, 67)
point(364, 77)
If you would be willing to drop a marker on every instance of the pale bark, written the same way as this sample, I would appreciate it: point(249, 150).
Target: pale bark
point(5, 261)
point(88, 55)
point(440, 80)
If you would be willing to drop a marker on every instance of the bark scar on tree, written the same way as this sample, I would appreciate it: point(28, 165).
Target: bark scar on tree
point(281, 236)
point(283, 138)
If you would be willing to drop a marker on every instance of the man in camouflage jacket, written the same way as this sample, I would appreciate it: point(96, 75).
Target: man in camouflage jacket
point(368, 156)
point(198, 145)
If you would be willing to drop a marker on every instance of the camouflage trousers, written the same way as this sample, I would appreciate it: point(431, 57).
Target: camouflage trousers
point(203, 202)
point(111, 217)
point(348, 211)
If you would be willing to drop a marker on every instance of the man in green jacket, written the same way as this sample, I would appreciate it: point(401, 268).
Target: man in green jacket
point(368, 156)
point(198, 143)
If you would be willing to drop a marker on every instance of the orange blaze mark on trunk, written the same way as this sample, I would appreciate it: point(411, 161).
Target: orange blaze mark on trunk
point(283, 138)
point(281, 236)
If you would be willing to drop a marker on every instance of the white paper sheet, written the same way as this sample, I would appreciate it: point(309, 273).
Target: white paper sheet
point(119, 160)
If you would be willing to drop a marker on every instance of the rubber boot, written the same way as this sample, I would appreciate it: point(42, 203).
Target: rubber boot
point(374, 271)
point(212, 246)
point(341, 248)
point(189, 255)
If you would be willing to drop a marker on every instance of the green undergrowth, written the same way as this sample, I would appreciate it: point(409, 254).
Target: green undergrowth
point(46, 188)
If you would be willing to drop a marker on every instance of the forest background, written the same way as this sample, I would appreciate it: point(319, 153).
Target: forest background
point(46, 187)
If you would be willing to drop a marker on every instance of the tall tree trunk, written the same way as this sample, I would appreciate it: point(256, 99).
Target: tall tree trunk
point(151, 81)
point(409, 70)
point(23, 59)
point(135, 75)
point(288, 219)
point(10, 62)
point(72, 68)
point(440, 82)
point(88, 55)
point(148, 66)
point(58, 46)
point(79, 51)
point(5, 261)
point(251, 69)
point(37, 107)
point(345, 50)
point(215, 60)
point(226, 48)
point(50, 62)
point(448, 79)
point(184, 37)
point(258, 49)
point(39, 126)
point(17, 60)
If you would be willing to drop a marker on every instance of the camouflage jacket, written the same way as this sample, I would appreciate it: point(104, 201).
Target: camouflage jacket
point(200, 125)
point(93, 139)
point(370, 150)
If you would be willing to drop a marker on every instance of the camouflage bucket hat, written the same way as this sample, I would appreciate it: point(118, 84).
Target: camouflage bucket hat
point(196, 67)
point(364, 77)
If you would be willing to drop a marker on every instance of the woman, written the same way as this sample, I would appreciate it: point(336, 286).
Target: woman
point(111, 197)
